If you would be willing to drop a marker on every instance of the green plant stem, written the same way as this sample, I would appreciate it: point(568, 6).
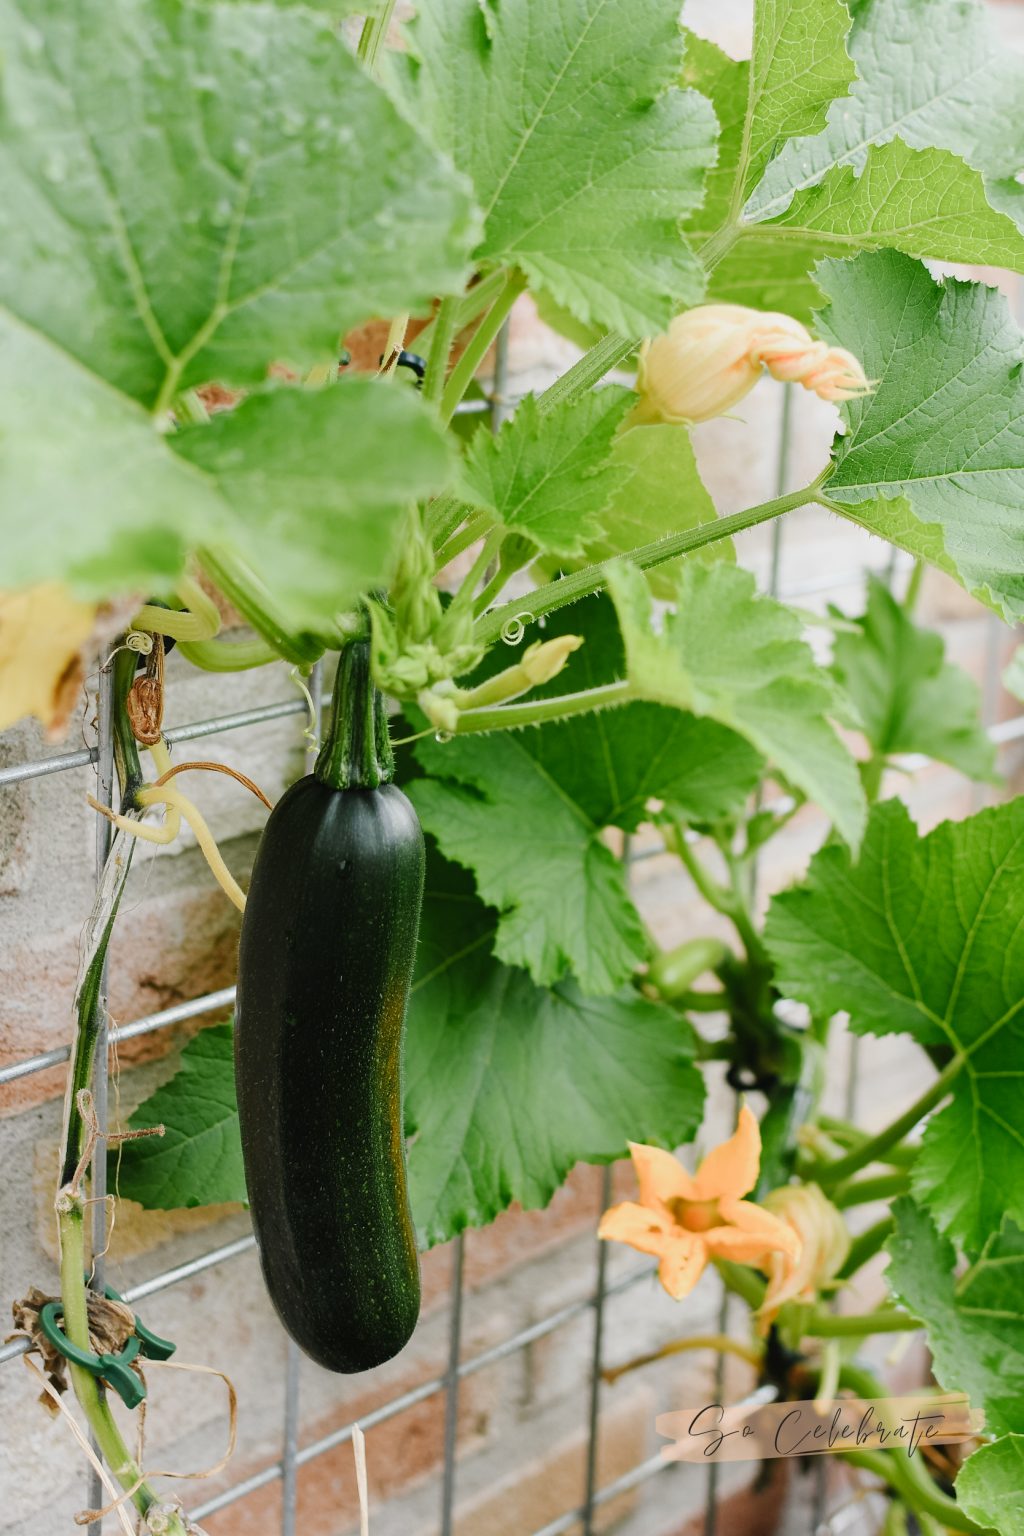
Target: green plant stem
point(719, 1342)
point(199, 621)
point(464, 372)
point(728, 901)
point(243, 589)
point(356, 749)
point(512, 717)
point(882, 1186)
point(743, 1281)
point(497, 582)
point(866, 1246)
point(476, 525)
point(444, 327)
point(871, 1150)
point(832, 1325)
point(87, 1389)
point(913, 591)
point(914, 1486)
point(126, 748)
point(872, 773)
point(703, 1002)
point(569, 589)
point(487, 553)
point(591, 368)
point(227, 655)
point(470, 304)
point(374, 33)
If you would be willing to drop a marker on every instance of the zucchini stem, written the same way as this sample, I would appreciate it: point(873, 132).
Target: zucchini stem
point(356, 751)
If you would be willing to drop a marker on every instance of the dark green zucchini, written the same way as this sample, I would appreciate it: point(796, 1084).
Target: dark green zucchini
point(326, 957)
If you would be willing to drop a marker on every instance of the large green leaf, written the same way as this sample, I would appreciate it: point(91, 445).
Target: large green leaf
point(739, 658)
point(205, 198)
point(943, 432)
point(583, 152)
point(194, 190)
point(975, 1320)
point(550, 475)
point(660, 492)
point(198, 1159)
point(291, 480)
point(509, 1085)
point(990, 1485)
point(526, 810)
point(924, 936)
point(907, 697)
point(963, 92)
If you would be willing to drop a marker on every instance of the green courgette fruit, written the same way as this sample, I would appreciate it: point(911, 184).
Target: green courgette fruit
point(326, 957)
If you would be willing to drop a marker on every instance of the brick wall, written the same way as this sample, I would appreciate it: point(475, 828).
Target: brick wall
point(522, 1420)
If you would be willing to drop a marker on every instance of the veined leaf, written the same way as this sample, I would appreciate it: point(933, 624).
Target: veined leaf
point(551, 475)
point(943, 432)
point(963, 92)
point(739, 658)
point(526, 810)
point(975, 1320)
point(583, 152)
point(509, 1085)
point(922, 936)
point(176, 211)
point(198, 1159)
point(660, 492)
point(907, 697)
point(207, 195)
point(990, 1485)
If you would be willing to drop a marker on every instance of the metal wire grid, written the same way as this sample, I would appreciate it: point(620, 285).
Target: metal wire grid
point(293, 1456)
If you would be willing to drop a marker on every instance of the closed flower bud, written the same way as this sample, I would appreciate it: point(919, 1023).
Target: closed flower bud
point(711, 356)
point(538, 664)
point(825, 1243)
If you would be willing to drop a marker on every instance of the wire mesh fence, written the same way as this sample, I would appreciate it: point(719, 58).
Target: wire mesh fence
point(594, 1494)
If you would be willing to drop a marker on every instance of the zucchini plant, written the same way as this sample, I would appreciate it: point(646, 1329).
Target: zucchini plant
point(205, 198)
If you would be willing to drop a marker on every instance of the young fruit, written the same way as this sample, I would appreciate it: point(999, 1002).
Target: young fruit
point(326, 957)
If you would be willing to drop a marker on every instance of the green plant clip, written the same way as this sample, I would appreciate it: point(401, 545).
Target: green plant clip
point(115, 1370)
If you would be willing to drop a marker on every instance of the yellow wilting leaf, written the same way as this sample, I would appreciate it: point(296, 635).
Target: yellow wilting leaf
point(44, 632)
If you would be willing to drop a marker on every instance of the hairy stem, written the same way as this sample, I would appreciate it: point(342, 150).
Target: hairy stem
point(506, 717)
point(588, 371)
point(244, 589)
point(569, 589)
point(228, 655)
point(882, 1186)
point(871, 1150)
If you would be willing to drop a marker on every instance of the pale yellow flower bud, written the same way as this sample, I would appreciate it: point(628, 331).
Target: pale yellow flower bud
point(825, 1243)
point(711, 356)
point(538, 664)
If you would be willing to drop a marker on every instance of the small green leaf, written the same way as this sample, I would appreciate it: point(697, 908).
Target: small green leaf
point(739, 658)
point(583, 152)
point(551, 475)
point(990, 1485)
point(198, 1159)
point(943, 432)
point(908, 698)
point(922, 936)
point(975, 1320)
point(661, 492)
point(526, 810)
point(508, 1085)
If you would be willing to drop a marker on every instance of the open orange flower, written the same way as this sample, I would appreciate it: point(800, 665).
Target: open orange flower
point(686, 1219)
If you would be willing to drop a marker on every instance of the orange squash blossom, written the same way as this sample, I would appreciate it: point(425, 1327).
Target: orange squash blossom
point(687, 1219)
